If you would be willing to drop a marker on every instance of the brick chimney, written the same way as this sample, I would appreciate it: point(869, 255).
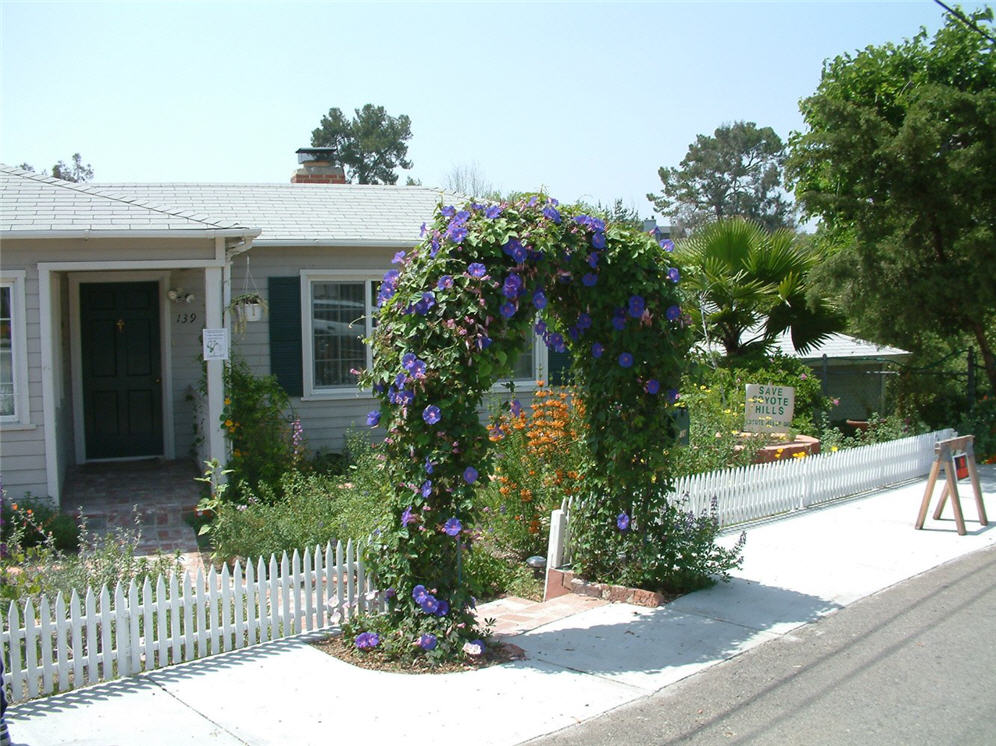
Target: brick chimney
point(318, 166)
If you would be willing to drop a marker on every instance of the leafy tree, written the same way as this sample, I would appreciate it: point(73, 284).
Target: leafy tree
point(898, 161)
point(371, 144)
point(737, 171)
point(750, 286)
point(75, 172)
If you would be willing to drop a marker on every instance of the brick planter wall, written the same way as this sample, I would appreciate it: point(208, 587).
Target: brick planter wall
point(562, 582)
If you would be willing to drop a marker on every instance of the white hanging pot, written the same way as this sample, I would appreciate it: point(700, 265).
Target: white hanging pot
point(252, 312)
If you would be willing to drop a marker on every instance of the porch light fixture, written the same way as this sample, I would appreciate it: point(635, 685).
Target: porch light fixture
point(179, 295)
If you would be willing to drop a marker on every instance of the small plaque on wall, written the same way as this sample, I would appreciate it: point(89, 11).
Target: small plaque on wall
point(215, 344)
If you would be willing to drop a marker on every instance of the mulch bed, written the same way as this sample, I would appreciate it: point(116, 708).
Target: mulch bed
point(343, 649)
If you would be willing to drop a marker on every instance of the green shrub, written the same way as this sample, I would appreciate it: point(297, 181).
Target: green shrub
point(980, 421)
point(44, 521)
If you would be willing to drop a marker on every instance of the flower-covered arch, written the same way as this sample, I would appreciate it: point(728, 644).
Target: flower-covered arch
point(453, 316)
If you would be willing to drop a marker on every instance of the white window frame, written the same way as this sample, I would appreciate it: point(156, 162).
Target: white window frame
point(314, 393)
point(14, 279)
point(308, 278)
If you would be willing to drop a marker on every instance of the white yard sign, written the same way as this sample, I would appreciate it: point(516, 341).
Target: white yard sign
point(769, 408)
point(215, 344)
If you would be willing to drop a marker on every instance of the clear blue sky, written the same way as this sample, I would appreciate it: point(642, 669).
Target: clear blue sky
point(586, 99)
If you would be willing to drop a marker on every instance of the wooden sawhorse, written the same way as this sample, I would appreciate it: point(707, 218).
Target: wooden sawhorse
point(944, 454)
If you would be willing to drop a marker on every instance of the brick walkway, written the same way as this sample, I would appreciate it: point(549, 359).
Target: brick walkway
point(162, 492)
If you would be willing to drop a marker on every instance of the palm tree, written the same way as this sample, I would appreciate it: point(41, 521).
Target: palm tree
point(751, 285)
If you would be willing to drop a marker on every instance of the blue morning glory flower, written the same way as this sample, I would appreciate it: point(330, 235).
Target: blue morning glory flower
point(516, 407)
point(483, 343)
point(400, 256)
point(626, 360)
point(408, 360)
point(444, 607)
point(540, 327)
point(597, 349)
point(652, 386)
point(555, 342)
point(427, 642)
point(584, 321)
point(636, 306)
point(622, 522)
point(589, 279)
point(418, 369)
point(552, 213)
point(445, 282)
point(672, 395)
point(447, 212)
point(513, 284)
point(429, 466)
point(667, 244)
point(456, 233)
point(431, 414)
point(477, 270)
point(419, 592)
point(673, 274)
point(452, 527)
point(373, 418)
point(470, 475)
point(593, 260)
point(619, 322)
point(598, 240)
point(426, 489)
point(672, 313)
point(429, 298)
point(492, 212)
point(539, 299)
point(429, 604)
point(507, 310)
point(367, 640)
point(406, 516)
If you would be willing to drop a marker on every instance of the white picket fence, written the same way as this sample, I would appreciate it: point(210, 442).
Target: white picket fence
point(54, 647)
point(758, 491)
point(762, 490)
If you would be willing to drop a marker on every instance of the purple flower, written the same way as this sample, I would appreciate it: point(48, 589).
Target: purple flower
point(492, 212)
point(626, 360)
point(667, 244)
point(593, 260)
point(516, 407)
point(652, 386)
point(672, 395)
point(448, 211)
point(373, 417)
point(367, 640)
point(452, 527)
point(598, 240)
point(427, 642)
point(597, 349)
point(483, 343)
point(636, 306)
point(445, 282)
point(429, 604)
point(423, 229)
point(672, 313)
point(400, 380)
point(406, 516)
point(391, 277)
point(456, 232)
point(431, 414)
point(556, 342)
point(408, 360)
point(584, 321)
point(426, 489)
point(477, 270)
point(418, 369)
point(400, 256)
point(552, 213)
point(540, 327)
point(673, 274)
point(429, 466)
point(512, 286)
point(619, 322)
point(419, 592)
point(444, 607)
point(429, 298)
point(507, 310)
point(470, 475)
point(622, 522)
point(589, 279)
point(539, 299)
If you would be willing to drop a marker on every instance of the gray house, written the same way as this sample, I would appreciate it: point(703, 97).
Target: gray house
point(106, 290)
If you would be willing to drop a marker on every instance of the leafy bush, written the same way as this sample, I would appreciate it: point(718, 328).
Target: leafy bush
point(980, 421)
point(39, 520)
point(42, 568)
point(304, 509)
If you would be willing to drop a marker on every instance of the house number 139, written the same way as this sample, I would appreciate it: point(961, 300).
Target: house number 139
point(186, 318)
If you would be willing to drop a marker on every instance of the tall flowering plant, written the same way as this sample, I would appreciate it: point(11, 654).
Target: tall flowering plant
point(452, 316)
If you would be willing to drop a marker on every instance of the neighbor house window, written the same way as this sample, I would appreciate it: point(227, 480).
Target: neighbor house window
point(13, 365)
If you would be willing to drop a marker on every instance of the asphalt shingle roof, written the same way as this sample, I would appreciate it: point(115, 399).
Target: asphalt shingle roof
point(842, 347)
point(35, 204)
point(303, 214)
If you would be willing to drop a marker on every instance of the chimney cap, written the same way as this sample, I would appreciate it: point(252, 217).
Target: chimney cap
point(306, 155)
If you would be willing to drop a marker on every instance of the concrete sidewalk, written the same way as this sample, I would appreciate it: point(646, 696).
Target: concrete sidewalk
point(796, 570)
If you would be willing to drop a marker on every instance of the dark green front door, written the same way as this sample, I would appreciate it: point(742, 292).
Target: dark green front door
point(122, 376)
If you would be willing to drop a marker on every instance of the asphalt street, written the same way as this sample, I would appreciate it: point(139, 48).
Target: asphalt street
point(912, 664)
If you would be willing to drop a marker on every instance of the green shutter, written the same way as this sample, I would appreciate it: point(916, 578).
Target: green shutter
point(559, 364)
point(285, 333)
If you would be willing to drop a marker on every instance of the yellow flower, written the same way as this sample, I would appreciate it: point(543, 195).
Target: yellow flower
point(833, 449)
point(227, 401)
point(228, 424)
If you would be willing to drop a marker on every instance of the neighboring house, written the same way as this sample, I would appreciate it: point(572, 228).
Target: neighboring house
point(105, 289)
point(852, 370)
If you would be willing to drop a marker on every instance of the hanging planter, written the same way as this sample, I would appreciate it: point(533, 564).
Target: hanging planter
point(246, 308)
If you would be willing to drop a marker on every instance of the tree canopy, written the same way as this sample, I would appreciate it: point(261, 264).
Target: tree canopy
point(898, 160)
point(736, 171)
point(76, 171)
point(751, 285)
point(371, 145)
